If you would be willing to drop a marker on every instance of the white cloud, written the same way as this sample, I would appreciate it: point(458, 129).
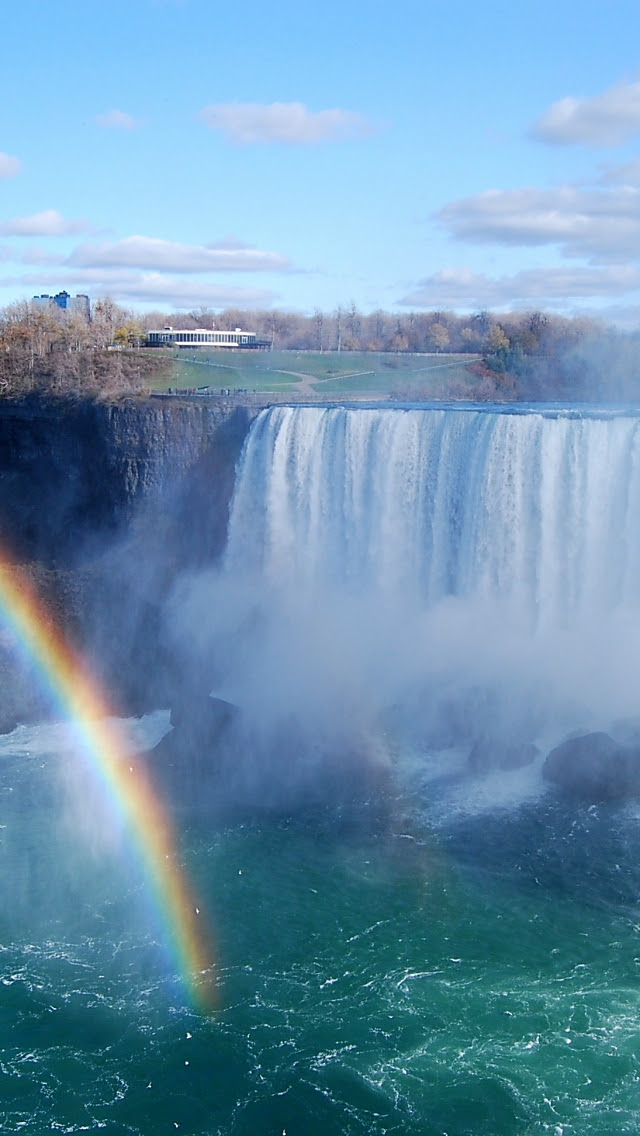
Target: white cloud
point(38, 256)
point(22, 255)
point(596, 222)
point(9, 166)
point(154, 287)
point(609, 119)
point(146, 288)
point(464, 288)
point(49, 223)
point(171, 256)
point(628, 173)
point(624, 316)
point(118, 120)
point(292, 123)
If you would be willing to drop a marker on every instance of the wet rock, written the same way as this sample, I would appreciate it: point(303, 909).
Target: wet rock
point(211, 760)
point(188, 759)
point(594, 767)
point(203, 715)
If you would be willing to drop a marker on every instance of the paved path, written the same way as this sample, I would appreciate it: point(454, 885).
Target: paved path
point(307, 383)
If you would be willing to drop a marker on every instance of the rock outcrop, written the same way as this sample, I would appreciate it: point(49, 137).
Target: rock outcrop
point(593, 767)
point(211, 761)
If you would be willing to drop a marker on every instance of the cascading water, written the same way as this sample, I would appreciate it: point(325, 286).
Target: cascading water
point(468, 969)
point(402, 553)
point(537, 510)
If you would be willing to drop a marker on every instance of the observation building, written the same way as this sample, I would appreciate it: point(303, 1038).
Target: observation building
point(204, 337)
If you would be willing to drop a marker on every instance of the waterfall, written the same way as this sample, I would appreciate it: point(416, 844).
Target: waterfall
point(539, 511)
point(476, 565)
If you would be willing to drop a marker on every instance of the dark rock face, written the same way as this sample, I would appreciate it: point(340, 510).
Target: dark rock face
point(501, 753)
point(595, 768)
point(74, 474)
point(189, 761)
point(106, 504)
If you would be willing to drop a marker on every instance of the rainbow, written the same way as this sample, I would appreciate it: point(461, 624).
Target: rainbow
point(65, 677)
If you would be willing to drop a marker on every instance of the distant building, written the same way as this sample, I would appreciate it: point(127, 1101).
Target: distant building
point(203, 337)
point(79, 305)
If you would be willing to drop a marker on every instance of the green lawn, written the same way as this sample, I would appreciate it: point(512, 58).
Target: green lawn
point(225, 370)
point(433, 379)
point(311, 372)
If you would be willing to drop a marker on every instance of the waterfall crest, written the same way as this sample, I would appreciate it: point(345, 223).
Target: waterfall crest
point(476, 566)
point(535, 510)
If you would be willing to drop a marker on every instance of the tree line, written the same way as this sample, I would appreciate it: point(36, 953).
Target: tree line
point(515, 355)
point(348, 329)
point(46, 350)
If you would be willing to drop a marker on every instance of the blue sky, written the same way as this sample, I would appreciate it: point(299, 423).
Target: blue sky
point(443, 154)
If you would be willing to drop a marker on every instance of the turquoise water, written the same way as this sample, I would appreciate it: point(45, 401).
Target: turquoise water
point(470, 968)
point(465, 962)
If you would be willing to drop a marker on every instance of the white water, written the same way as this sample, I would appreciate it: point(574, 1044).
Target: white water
point(462, 572)
point(539, 512)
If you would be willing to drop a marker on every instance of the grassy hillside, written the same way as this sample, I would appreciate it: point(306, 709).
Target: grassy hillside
point(308, 373)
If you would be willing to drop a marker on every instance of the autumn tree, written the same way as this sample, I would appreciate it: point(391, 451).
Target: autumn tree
point(439, 337)
point(44, 349)
point(471, 339)
point(130, 334)
point(497, 339)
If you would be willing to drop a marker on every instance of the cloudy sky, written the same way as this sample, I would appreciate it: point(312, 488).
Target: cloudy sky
point(428, 154)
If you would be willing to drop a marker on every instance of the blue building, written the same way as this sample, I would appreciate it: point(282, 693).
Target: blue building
point(79, 304)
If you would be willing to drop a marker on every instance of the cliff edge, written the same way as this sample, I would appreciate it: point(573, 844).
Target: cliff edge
point(104, 504)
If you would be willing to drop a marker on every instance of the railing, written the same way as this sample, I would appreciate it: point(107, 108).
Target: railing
point(267, 398)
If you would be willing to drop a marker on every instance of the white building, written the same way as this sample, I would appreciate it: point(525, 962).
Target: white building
point(202, 337)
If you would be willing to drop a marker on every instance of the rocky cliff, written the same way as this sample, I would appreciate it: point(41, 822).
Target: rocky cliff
point(106, 504)
point(75, 473)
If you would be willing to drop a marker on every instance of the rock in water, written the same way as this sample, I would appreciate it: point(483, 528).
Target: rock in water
point(188, 760)
point(594, 767)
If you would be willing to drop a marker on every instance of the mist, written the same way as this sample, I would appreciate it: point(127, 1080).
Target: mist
point(436, 579)
point(343, 666)
point(601, 367)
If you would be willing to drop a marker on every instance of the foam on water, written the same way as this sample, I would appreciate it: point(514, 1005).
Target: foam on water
point(368, 986)
point(471, 968)
point(43, 738)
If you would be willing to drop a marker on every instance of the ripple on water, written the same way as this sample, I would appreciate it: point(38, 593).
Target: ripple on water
point(474, 978)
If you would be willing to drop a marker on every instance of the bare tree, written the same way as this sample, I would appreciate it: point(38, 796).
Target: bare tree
point(338, 318)
point(318, 319)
